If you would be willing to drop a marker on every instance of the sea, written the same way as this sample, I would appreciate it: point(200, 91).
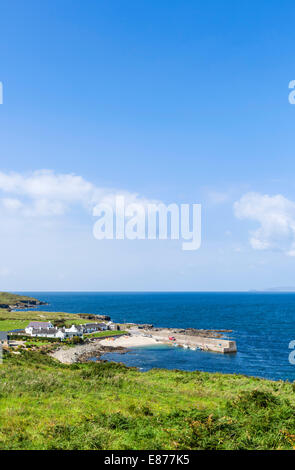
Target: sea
point(262, 324)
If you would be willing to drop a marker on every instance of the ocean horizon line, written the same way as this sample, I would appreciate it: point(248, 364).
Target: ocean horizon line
point(253, 291)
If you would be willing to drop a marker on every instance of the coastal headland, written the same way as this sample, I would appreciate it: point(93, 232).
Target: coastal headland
point(11, 302)
point(126, 336)
point(53, 397)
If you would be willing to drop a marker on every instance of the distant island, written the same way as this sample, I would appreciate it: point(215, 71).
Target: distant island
point(275, 289)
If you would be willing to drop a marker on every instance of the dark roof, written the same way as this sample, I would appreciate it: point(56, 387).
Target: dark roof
point(94, 325)
point(39, 324)
point(44, 331)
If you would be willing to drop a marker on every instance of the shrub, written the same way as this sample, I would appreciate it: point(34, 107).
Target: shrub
point(33, 338)
point(255, 399)
point(76, 340)
point(104, 369)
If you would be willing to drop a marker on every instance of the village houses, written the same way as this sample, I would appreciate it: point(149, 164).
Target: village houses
point(47, 329)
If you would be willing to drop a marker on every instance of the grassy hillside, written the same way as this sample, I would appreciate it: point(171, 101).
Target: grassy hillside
point(11, 320)
point(11, 299)
point(48, 405)
point(17, 320)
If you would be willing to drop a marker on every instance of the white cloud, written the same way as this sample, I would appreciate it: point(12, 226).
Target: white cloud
point(46, 184)
point(11, 203)
point(46, 193)
point(276, 217)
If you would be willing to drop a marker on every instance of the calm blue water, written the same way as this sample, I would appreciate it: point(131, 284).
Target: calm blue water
point(262, 324)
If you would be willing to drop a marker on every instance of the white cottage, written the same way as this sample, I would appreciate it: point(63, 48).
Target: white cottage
point(75, 330)
point(60, 334)
point(37, 325)
point(93, 327)
point(44, 332)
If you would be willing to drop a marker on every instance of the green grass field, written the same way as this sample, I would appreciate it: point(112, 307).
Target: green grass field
point(101, 334)
point(32, 342)
point(6, 325)
point(48, 405)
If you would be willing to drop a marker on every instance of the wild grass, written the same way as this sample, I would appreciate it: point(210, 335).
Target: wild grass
point(48, 405)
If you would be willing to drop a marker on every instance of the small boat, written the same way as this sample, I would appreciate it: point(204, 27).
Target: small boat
point(185, 346)
point(193, 348)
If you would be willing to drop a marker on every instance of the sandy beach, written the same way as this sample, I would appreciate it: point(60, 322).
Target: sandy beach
point(97, 347)
point(129, 341)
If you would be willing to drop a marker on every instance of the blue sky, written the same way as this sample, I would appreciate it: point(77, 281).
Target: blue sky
point(179, 101)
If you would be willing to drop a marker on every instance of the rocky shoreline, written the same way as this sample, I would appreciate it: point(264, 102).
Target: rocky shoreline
point(184, 331)
point(83, 352)
point(21, 304)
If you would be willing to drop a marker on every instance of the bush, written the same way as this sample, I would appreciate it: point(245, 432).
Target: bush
point(258, 399)
point(33, 338)
point(104, 369)
point(75, 340)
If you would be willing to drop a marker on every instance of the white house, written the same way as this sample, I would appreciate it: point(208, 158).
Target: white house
point(75, 330)
point(60, 334)
point(111, 326)
point(37, 325)
point(44, 332)
point(92, 327)
point(47, 330)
